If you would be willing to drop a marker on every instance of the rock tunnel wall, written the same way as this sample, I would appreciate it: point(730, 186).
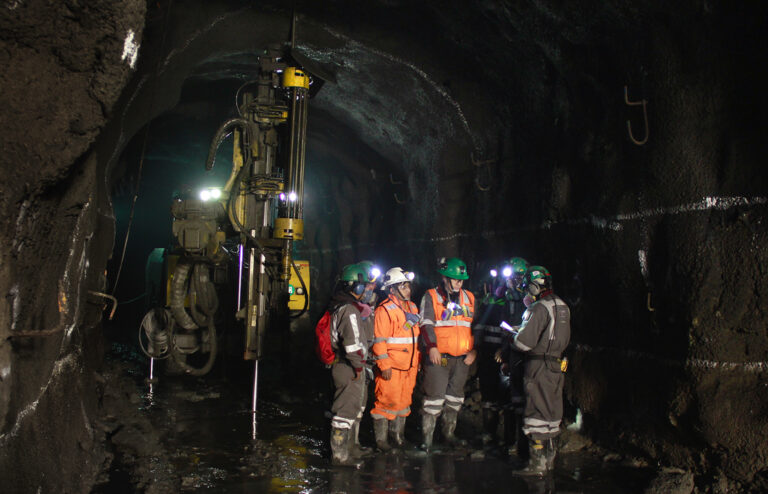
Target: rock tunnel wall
point(659, 248)
point(64, 64)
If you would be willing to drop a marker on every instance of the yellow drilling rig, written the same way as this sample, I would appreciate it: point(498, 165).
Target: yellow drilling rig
point(254, 219)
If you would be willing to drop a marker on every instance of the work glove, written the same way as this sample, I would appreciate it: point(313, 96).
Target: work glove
point(412, 318)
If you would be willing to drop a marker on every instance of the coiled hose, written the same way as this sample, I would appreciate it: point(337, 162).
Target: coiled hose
point(202, 292)
point(180, 358)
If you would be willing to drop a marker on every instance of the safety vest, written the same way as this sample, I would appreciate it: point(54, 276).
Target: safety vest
point(395, 342)
point(453, 322)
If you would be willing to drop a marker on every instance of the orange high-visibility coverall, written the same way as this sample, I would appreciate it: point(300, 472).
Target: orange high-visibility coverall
point(395, 347)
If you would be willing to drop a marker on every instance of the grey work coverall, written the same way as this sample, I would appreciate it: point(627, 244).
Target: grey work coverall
point(351, 338)
point(544, 336)
point(443, 385)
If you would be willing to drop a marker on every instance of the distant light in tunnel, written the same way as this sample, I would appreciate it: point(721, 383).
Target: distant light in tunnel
point(494, 273)
point(282, 196)
point(292, 196)
point(507, 271)
point(215, 193)
point(205, 195)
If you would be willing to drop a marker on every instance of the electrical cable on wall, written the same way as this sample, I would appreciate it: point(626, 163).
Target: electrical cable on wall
point(143, 154)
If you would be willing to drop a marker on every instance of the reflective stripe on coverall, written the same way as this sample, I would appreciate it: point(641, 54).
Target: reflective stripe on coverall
point(350, 338)
point(450, 332)
point(395, 347)
point(544, 335)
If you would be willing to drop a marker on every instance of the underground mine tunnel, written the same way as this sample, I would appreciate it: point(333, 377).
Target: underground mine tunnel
point(620, 144)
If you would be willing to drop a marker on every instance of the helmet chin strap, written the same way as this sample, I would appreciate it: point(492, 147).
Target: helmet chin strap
point(448, 285)
point(399, 293)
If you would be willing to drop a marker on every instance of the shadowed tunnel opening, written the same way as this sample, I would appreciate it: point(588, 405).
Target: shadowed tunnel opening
point(483, 130)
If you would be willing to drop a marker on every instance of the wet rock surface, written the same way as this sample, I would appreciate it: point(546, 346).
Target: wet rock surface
point(189, 434)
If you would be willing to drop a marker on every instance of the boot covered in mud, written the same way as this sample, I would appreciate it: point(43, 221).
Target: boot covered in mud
point(380, 430)
point(428, 423)
point(449, 419)
point(397, 432)
point(550, 452)
point(340, 445)
point(490, 424)
point(356, 450)
point(512, 434)
point(537, 463)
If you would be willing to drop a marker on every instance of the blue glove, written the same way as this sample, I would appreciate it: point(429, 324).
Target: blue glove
point(412, 318)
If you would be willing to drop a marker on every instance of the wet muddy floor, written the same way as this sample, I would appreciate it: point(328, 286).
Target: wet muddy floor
point(211, 443)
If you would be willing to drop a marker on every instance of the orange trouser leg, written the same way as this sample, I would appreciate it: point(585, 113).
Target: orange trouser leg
point(393, 397)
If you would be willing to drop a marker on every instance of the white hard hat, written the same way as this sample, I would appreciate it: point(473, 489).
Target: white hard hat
point(395, 276)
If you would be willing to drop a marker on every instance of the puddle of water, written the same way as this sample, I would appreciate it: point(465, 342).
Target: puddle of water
point(207, 427)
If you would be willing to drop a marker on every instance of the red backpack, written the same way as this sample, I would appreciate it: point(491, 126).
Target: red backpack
point(323, 347)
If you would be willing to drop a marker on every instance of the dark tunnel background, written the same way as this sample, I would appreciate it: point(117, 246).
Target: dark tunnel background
point(659, 248)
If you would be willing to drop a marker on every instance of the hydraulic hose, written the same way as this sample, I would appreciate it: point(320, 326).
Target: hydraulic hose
point(146, 323)
point(205, 369)
point(221, 134)
point(233, 213)
point(203, 293)
point(179, 293)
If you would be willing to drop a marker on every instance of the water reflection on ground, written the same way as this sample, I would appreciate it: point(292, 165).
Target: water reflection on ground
point(208, 429)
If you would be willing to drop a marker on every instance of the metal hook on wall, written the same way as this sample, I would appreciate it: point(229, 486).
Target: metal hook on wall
point(398, 200)
point(109, 297)
point(645, 118)
point(648, 304)
point(393, 181)
point(478, 163)
point(482, 188)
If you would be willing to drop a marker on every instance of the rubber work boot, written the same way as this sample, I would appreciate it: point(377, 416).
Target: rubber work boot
point(537, 463)
point(428, 422)
point(355, 449)
point(380, 429)
point(490, 424)
point(397, 431)
point(550, 452)
point(340, 442)
point(510, 431)
point(450, 417)
point(523, 448)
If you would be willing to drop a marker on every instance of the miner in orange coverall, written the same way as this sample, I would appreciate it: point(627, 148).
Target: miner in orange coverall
point(396, 353)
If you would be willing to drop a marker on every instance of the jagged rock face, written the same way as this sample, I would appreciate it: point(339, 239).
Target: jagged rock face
point(481, 129)
point(64, 64)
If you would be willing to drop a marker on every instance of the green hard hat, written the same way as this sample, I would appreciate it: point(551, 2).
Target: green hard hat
point(354, 273)
point(453, 268)
point(518, 265)
point(373, 272)
point(538, 275)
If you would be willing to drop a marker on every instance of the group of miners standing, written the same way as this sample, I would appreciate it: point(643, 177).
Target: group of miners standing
point(517, 333)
